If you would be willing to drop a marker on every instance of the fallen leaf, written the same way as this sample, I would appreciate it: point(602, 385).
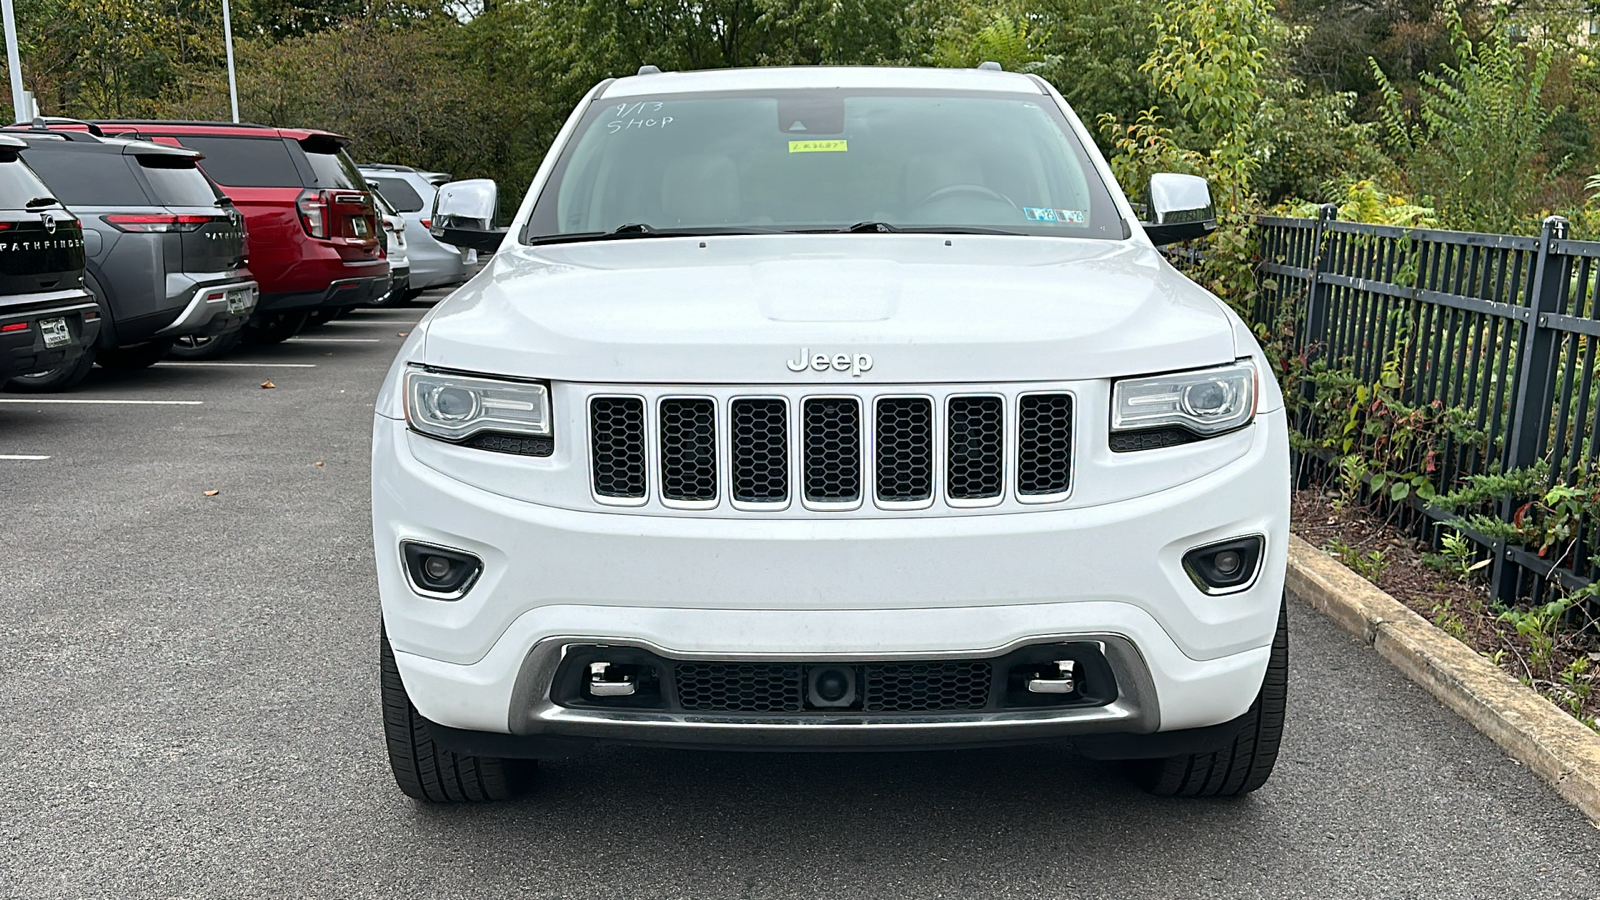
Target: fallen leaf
point(268, 384)
point(404, 333)
point(212, 493)
point(1594, 657)
point(319, 462)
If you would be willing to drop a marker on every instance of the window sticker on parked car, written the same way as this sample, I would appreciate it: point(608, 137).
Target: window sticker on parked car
point(1051, 216)
point(819, 146)
point(638, 116)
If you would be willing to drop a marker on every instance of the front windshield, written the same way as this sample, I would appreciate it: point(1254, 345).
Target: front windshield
point(825, 160)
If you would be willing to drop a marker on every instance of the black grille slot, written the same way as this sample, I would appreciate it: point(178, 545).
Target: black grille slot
point(616, 442)
point(832, 430)
point(973, 470)
point(903, 439)
point(739, 687)
point(1044, 444)
point(760, 450)
point(924, 686)
point(688, 449)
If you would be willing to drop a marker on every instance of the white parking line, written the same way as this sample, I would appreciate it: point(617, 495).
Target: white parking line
point(21, 456)
point(108, 402)
point(301, 340)
point(242, 365)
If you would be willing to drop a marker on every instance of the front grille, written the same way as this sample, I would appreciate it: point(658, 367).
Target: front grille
point(689, 449)
point(904, 442)
point(1044, 444)
point(832, 430)
point(976, 437)
point(739, 687)
point(905, 451)
point(925, 686)
point(616, 429)
point(760, 450)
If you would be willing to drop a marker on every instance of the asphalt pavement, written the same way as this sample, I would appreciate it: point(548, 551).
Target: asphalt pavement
point(189, 708)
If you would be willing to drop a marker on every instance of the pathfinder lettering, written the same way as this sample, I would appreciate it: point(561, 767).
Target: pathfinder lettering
point(838, 362)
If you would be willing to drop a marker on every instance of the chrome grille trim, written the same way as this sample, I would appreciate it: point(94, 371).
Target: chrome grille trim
point(875, 490)
point(619, 450)
point(1034, 484)
point(833, 452)
point(975, 450)
point(744, 415)
point(688, 439)
point(905, 439)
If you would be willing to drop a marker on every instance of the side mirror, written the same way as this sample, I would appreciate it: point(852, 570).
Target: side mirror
point(463, 215)
point(1180, 209)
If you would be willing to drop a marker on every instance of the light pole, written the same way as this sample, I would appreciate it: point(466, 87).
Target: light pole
point(227, 37)
point(19, 110)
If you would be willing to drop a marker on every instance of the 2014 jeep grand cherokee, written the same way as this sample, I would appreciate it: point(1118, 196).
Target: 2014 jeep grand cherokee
point(830, 408)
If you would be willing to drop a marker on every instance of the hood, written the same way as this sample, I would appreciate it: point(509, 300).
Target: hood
point(889, 309)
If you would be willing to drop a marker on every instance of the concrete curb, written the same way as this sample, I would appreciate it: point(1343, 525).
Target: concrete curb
point(1527, 726)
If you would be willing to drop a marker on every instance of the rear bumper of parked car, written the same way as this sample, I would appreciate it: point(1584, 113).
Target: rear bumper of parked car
point(738, 589)
point(23, 350)
point(339, 294)
point(208, 310)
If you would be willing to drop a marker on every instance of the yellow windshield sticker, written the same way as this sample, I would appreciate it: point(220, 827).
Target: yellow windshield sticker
point(818, 146)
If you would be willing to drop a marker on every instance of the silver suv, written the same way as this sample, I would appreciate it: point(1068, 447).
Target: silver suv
point(165, 250)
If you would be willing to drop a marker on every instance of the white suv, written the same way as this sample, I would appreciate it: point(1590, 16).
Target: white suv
point(830, 408)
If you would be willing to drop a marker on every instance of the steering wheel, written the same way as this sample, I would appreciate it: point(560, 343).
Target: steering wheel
point(970, 189)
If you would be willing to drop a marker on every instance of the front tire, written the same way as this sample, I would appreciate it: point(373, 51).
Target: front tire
point(425, 771)
point(1245, 764)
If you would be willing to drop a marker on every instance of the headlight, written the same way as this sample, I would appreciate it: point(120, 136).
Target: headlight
point(455, 407)
point(1202, 403)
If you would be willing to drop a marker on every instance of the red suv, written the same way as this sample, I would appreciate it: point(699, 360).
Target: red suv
point(312, 223)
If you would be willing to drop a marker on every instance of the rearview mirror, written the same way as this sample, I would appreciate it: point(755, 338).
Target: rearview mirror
point(463, 215)
point(1180, 209)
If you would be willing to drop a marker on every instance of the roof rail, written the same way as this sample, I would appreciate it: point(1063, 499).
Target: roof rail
point(180, 122)
point(989, 65)
point(648, 69)
point(43, 123)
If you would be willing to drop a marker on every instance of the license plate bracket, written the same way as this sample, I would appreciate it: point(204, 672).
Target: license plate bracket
point(56, 333)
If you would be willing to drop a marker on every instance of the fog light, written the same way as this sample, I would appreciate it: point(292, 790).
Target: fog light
point(1225, 566)
point(439, 572)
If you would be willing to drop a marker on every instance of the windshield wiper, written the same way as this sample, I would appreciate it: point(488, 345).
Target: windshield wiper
point(886, 228)
point(644, 230)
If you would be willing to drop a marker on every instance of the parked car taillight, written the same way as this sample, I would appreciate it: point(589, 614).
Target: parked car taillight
point(157, 223)
point(313, 206)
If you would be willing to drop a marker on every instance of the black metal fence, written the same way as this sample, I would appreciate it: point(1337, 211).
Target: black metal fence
point(1492, 339)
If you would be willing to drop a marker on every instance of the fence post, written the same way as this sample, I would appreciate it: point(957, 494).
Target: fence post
point(1535, 383)
point(1316, 319)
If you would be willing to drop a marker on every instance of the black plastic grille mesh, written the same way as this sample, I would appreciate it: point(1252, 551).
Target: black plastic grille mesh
point(904, 446)
point(833, 449)
point(688, 449)
point(739, 687)
point(616, 441)
point(920, 686)
point(760, 450)
point(973, 470)
point(1044, 444)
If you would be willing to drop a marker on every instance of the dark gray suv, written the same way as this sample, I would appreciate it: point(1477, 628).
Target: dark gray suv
point(165, 249)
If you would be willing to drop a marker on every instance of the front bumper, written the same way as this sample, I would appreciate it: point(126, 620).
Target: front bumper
point(881, 589)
